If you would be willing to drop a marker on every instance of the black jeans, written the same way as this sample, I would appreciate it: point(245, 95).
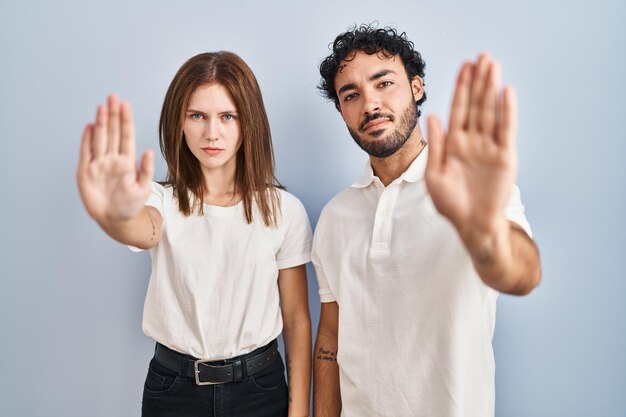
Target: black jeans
point(169, 394)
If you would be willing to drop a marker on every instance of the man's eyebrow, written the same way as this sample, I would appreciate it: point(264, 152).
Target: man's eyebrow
point(381, 74)
point(346, 87)
point(374, 77)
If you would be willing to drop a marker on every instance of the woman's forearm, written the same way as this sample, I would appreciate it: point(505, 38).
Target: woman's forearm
point(297, 337)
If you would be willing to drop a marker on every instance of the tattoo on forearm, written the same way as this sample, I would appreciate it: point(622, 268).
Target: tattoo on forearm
point(326, 355)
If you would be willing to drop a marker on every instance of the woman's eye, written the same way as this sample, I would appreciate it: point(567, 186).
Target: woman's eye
point(196, 116)
point(228, 117)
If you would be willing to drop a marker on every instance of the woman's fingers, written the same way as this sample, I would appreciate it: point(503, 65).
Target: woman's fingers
point(113, 145)
point(146, 170)
point(507, 123)
point(114, 130)
point(127, 145)
point(85, 149)
point(99, 142)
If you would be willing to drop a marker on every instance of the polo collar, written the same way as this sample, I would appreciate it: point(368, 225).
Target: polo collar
point(414, 172)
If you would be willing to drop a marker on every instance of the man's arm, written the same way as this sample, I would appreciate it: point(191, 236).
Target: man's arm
point(470, 174)
point(326, 396)
point(506, 260)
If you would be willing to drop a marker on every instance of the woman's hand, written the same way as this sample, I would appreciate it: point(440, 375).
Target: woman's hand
point(110, 185)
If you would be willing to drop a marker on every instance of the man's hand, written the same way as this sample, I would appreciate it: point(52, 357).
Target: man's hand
point(470, 174)
point(471, 168)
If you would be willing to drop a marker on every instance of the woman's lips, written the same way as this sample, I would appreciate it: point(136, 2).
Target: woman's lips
point(212, 151)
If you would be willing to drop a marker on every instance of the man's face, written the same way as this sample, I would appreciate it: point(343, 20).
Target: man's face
point(377, 102)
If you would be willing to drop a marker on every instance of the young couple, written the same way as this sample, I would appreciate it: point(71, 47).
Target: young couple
point(409, 259)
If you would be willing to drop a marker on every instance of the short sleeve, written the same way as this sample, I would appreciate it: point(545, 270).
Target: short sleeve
point(326, 295)
point(155, 199)
point(515, 210)
point(295, 249)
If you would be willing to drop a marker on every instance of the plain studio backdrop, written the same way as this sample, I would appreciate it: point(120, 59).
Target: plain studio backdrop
point(71, 299)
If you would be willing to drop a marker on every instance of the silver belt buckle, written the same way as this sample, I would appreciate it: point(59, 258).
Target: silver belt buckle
point(197, 372)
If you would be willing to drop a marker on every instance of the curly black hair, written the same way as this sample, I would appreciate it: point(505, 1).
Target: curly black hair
point(371, 40)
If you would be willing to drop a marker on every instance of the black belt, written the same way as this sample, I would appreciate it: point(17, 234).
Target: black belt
point(207, 372)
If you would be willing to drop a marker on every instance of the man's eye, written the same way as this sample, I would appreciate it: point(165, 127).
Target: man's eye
point(350, 97)
point(385, 84)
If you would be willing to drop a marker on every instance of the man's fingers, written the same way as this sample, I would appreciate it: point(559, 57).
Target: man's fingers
point(460, 102)
point(436, 144)
point(488, 113)
point(507, 129)
point(99, 141)
point(85, 149)
point(477, 94)
point(113, 144)
point(127, 145)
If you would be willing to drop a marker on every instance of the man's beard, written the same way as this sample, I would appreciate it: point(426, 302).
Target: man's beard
point(384, 147)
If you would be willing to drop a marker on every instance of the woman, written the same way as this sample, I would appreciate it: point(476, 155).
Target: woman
point(228, 245)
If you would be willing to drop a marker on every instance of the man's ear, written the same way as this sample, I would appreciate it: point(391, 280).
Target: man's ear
point(417, 86)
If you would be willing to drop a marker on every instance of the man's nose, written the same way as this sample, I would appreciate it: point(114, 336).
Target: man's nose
point(371, 102)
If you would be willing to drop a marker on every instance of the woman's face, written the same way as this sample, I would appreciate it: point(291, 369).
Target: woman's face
point(212, 129)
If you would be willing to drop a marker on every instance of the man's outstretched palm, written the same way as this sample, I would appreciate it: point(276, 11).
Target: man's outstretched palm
point(471, 168)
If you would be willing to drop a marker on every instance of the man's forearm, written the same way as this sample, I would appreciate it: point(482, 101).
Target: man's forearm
point(506, 260)
point(326, 395)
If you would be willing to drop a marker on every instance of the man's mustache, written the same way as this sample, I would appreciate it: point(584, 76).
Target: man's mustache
point(371, 117)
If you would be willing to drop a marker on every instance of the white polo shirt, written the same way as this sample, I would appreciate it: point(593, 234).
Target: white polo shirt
point(415, 320)
point(213, 292)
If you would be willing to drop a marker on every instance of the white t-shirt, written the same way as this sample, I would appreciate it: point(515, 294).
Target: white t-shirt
point(415, 320)
point(213, 292)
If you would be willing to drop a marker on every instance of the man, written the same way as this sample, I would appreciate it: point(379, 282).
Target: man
point(411, 258)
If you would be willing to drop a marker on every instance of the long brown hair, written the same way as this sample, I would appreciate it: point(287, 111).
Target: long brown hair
point(254, 175)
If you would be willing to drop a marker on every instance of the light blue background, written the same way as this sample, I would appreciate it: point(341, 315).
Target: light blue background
point(71, 299)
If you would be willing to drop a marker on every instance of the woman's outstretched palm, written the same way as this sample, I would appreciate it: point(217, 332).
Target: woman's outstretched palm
point(110, 185)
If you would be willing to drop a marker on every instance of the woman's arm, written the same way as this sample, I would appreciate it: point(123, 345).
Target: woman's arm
point(294, 302)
